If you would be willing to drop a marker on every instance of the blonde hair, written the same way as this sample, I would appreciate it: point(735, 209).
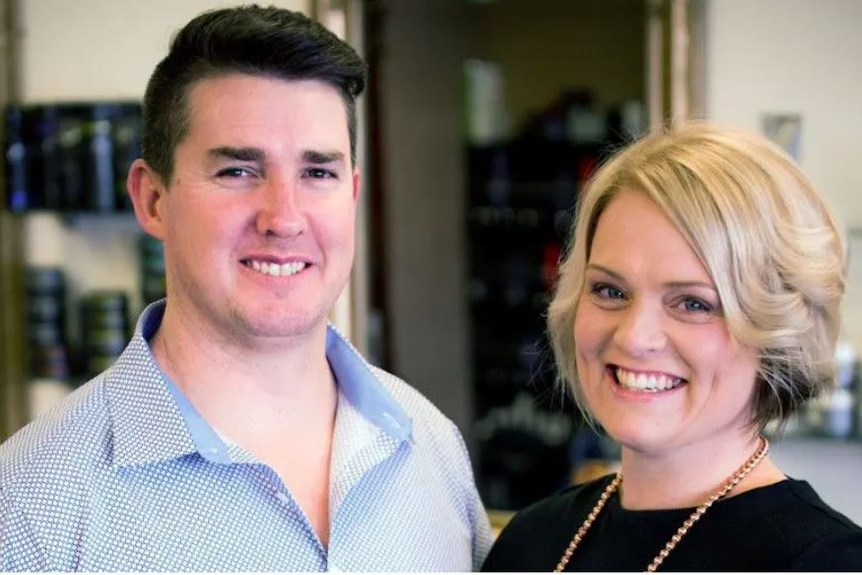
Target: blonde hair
point(761, 230)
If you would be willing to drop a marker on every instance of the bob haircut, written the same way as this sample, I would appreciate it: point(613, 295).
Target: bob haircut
point(761, 230)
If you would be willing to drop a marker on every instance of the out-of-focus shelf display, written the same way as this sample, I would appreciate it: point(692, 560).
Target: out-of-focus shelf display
point(520, 204)
point(70, 160)
point(70, 157)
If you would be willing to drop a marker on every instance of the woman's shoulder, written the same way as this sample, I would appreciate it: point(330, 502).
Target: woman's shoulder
point(795, 502)
point(835, 542)
point(797, 526)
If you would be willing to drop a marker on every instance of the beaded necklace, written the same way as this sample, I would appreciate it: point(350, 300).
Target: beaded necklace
point(614, 485)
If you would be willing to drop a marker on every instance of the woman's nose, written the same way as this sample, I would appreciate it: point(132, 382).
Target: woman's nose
point(641, 330)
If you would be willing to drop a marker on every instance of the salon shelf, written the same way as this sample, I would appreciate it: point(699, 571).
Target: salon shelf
point(520, 203)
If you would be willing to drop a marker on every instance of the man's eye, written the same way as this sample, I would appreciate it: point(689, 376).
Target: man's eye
point(320, 173)
point(235, 173)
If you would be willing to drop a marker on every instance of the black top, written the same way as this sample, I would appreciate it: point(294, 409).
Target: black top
point(781, 527)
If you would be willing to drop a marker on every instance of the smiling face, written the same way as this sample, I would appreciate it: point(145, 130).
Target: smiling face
point(655, 360)
point(258, 221)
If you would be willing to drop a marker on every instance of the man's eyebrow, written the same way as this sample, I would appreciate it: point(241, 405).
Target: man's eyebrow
point(240, 154)
point(321, 157)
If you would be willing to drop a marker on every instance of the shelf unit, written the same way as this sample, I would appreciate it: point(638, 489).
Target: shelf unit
point(12, 381)
point(520, 202)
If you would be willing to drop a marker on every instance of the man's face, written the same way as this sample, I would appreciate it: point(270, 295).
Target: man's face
point(258, 221)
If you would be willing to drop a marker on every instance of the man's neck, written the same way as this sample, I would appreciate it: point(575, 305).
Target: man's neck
point(243, 389)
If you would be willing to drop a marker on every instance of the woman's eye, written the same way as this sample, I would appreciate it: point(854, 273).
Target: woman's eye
point(695, 305)
point(606, 291)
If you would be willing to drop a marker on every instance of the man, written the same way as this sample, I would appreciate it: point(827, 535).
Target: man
point(238, 430)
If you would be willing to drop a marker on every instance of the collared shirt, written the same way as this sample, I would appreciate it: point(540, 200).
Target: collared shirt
point(125, 475)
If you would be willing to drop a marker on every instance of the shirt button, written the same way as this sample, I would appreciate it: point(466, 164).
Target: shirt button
point(282, 496)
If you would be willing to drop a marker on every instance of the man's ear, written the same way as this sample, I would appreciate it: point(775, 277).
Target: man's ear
point(357, 185)
point(147, 193)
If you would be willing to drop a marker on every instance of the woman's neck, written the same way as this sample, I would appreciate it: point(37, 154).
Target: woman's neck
point(689, 475)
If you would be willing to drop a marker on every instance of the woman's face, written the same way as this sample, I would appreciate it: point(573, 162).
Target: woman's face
point(656, 362)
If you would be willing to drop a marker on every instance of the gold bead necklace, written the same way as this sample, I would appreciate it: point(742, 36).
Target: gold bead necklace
point(732, 482)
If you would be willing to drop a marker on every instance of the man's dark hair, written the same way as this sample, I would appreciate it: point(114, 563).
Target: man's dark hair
point(267, 42)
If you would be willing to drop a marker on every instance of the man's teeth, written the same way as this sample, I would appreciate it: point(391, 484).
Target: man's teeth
point(644, 382)
point(277, 270)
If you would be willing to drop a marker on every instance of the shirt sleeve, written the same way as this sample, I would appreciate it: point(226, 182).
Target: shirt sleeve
point(19, 547)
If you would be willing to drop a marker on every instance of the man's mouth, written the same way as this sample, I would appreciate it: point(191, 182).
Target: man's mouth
point(274, 269)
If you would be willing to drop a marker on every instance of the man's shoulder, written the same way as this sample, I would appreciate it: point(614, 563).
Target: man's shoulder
point(62, 439)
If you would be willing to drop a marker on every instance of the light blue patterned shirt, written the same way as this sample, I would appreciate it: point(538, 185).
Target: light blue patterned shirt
point(126, 476)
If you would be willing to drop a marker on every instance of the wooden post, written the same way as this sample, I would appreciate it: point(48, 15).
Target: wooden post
point(13, 396)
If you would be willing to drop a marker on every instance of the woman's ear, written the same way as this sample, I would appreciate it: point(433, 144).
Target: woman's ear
point(147, 193)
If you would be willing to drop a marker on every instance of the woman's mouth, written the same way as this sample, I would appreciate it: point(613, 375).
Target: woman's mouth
point(650, 381)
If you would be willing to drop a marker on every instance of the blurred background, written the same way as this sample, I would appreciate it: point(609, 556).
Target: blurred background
point(481, 122)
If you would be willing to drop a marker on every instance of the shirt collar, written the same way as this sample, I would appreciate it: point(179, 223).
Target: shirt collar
point(147, 424)
point(139, 391)
point(207, 442)
point(363, 389)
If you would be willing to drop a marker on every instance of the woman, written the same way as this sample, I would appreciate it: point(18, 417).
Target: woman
point(699, 303)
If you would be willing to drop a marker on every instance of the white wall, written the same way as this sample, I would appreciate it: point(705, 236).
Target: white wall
point(102, 49)
point(798, 56)
point(794, 56)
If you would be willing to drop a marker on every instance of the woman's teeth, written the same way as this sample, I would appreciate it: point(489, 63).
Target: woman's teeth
point(646, 382)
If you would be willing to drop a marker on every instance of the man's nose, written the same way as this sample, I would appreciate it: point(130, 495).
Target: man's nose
point(280, 213)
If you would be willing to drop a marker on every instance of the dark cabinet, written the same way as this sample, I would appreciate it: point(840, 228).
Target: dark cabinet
point(521, 200)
